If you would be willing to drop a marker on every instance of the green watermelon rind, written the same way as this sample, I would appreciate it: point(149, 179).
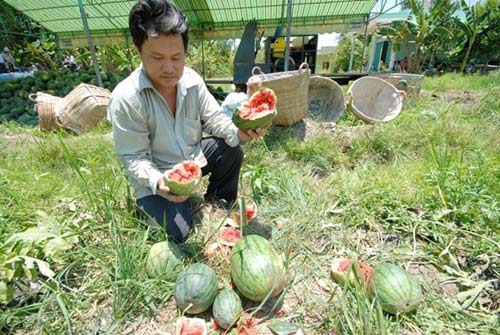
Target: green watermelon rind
point(227, 308)
point(196, 286)
point(163, 260)
point(256, 268)
point(396, 290)
point(247, 124)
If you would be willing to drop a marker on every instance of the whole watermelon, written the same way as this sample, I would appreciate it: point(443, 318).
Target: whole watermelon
point(196, 286)
point(164, 260)
point(396, 290)
point(227, 308)
point(256, 268)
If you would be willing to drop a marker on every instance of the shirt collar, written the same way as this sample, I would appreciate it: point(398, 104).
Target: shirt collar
point(187, 80)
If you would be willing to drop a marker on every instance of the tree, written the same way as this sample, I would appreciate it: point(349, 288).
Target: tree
point(342, 54)
point(26, 39)
point(472, 26)
point(218, 56)
point(425, 31)
point(481, 30)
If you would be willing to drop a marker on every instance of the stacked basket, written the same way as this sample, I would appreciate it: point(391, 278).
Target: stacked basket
point(81, 110)
point(45, 105)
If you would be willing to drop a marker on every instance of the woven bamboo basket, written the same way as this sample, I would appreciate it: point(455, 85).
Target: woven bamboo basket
point(83, 108)
point(291, 91)
point(374, 100)
point(45, 105)
point(326, 99)
point(410, 83)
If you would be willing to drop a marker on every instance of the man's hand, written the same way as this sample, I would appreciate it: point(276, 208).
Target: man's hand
point(164, 191)
point(252, 134)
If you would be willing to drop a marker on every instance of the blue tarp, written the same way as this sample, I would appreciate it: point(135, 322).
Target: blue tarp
point(14, 75)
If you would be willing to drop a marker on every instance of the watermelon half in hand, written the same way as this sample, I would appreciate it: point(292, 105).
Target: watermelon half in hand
point(183, 178)
point(258, 112)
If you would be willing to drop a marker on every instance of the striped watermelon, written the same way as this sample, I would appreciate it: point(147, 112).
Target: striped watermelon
point(256, 268)
point(196, 286)
point(227, 308)
point(396, 290)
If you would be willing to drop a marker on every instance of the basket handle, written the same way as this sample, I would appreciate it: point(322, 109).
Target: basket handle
point(256, 70)
point(304, 66)
point(32, 97)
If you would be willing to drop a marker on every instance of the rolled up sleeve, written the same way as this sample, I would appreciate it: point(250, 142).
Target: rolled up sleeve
point(214, 121)
point(132, 143)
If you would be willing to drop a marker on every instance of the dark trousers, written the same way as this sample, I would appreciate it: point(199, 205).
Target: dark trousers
point(224, 164)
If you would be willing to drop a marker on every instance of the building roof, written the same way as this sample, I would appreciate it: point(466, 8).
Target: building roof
point(212, 18)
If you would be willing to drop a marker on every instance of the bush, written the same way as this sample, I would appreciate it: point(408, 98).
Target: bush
point(341, 57)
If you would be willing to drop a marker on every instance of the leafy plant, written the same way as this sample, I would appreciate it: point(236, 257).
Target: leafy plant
point(218, 58)
point(473, 26)
point(342, 55)
point(21, 256)
point(425, 32)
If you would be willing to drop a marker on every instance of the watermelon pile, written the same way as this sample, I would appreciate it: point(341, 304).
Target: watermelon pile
point(16, 106)
point(257, 273)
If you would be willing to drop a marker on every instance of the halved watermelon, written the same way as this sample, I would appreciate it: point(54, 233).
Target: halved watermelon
point(343, 270)
point(191, 326)
point(258, 111)
point(229, 236)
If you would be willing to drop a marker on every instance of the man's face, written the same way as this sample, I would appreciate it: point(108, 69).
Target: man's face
point(163, 59)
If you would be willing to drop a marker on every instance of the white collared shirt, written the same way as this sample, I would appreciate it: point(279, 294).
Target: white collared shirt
point(149, 139)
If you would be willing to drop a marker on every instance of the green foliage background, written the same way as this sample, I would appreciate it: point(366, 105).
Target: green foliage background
point(342, 54)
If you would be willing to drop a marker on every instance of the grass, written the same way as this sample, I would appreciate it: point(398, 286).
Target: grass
point(421, 191)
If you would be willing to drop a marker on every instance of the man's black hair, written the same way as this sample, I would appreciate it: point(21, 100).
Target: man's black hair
point(150, 18)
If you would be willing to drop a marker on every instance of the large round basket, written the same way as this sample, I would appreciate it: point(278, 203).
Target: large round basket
point(291, 92)
point(374, 100)
point(83, 108)
point(326, 99)
point(45, 105)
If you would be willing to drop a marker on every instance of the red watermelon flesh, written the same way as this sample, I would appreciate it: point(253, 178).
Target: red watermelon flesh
point(341, 267)
point(246, 112)
point(262, 101)
point(250, 211)
point(184, 173)
point(263, 96)
point(229, 236)
point(192, 326)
